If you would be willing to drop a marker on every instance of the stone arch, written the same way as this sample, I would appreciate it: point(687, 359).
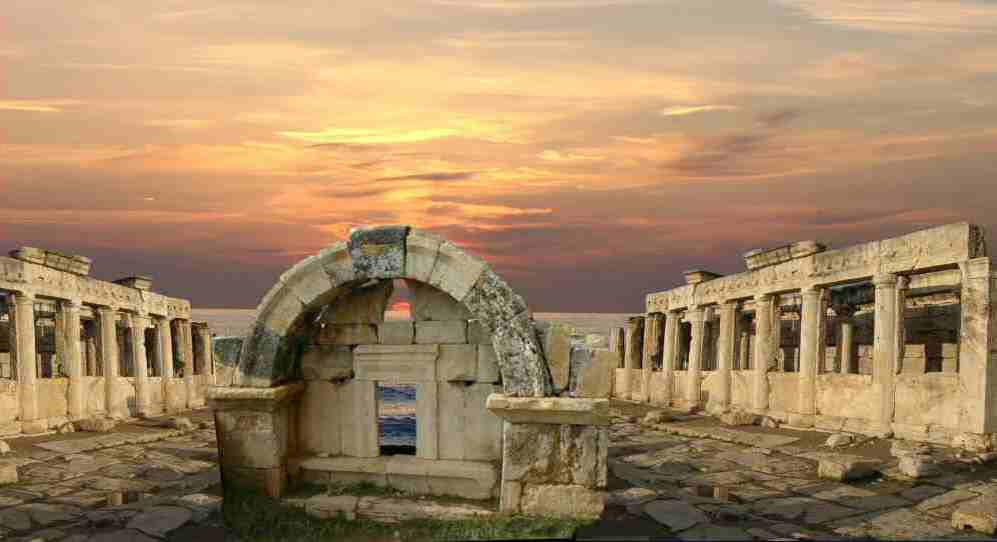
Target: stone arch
point(270, 352)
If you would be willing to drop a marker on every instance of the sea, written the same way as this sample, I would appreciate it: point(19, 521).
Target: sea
point(396, 404)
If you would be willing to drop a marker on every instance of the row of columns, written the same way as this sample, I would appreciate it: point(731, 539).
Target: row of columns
point(888, 346)
point(68, 346)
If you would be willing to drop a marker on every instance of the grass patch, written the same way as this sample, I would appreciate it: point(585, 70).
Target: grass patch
point(256, 517)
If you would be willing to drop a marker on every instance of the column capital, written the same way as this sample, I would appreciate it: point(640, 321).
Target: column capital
point(903, 282)
point(24, 297)
point(844, 311)
point(103, 309)
point(812, 289)
point(883, 280)
point(729, 304)
point(71, 304)
point(763, 297)
point(695, 313)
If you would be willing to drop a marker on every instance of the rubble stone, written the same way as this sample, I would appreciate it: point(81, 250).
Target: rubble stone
point(738, 417)
point(978, 514)
point(838, 440)
point(96, 425)
point(843, 467)
point(8, 473)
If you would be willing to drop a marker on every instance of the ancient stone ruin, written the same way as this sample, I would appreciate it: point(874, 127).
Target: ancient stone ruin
point(892, 337)
point(73, 347)
point(304, 401)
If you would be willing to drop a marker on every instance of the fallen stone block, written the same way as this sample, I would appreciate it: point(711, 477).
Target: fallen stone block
point(738, 417)
point(555, 341)
point(676, 515)
point(901, 448)
point(591, 372)
point(978, 515)
point(769, 422)
point(182, 423)
point(918, 466)
point(838, 440)
point(393, 510)
point(159, 520)
point(331, 506)
point(8, 473)
point(842, 467)
point(201, 504)
point(64, 428)
point(4, 448)
point(630, 495)
point(96, 425)
point(656, 417)
point(562, 501)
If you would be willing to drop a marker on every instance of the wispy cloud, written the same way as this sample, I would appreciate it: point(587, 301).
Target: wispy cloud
point(559, 156)
point(371, 137)
point(37, 106)
point(682, 110)
point(910, 16)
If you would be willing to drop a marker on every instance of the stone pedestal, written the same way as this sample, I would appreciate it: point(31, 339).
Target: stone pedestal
point(554, 455)
point(254, 427)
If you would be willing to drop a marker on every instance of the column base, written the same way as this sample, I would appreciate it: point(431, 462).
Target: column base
point(33, 427)
point(803, 421)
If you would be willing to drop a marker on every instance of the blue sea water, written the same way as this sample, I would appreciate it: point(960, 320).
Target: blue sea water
point(396, 429)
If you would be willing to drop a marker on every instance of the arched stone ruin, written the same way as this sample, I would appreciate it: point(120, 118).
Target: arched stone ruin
point(303, 406)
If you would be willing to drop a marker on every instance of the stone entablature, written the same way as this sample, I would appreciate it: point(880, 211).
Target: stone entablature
point(21, 276)
point(56, 260)
point(944, 246)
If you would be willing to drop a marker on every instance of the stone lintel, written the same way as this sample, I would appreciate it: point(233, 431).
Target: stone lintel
point(79, 265)
point(140, 282)
point(400, 363)
point(550, 410)
point(763, 257)
point(695, 276)
point(233, 398)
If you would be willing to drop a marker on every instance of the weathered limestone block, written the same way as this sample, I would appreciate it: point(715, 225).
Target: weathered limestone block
point(488, 371)
point(918, 466)
point(467, 430)
point(262, 361)
point(555, 341)
point(348, 334)
point(838, 439)
point(842, 467)
point(902, 448)
point(337, 263)
point(477, 333)
point(308, 281)
point(972, 442)
point(182, 423)
point(4, 448)
point(400, 332)
point(252, 438)
point(378, 252)
point(738, 417)
point(396, 363)
point(446, 332)
point(656, 416)
point(79, 265)
point(327, 362)
point(979, 514)
point(360, 305)
point(562, 501)
point(455, 271)
point(96, 425)
point(430, 303)
point(343, 469)
point(421, 249)
point(8, 472)
point(319, 418)
point(493, 302)
point(468, 479)
point(330, 506)
point(550, 410)
point(592, 372)
point(555, 454)
point(139, 282)
point(394, 510)
point(359, 415)
point(457, 362)
point(520, 359)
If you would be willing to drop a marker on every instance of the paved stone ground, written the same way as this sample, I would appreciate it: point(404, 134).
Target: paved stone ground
point(145, 482)
point(141, 482)
point(707, 489)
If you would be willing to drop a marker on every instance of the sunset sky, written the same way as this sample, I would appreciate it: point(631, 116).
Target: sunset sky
point(591, 150)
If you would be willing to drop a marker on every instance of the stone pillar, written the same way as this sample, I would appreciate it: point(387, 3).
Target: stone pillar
point(138, 324)
point(978, 350)
point(109, 355)
point(635, 336)
point(207, 360)
point(616, 340)
point(725, 355)
point(188, 362)
point(653, 332)
point(72, 356)
point(884, 353)
point(764, 349)
point(26, 358)
point(812, 316)
point(669, 354)
point(697, 317)
point(164, 336)
point(846, 339)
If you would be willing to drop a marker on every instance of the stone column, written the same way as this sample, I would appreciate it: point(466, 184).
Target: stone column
point(764, 349)
point(138, 324)
point(669, 353)
point(188, 362)
point(26, 358)
point(616, 340)
point(207, 352)
point(884, 353)
point(635, 335)
point(846, 339)
point(812, 316)
point(109, 355)
point(653, 332)
point(697, 317)
point(725, 354)
point(978, 350)
point(164, 336)
point(72, 356)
